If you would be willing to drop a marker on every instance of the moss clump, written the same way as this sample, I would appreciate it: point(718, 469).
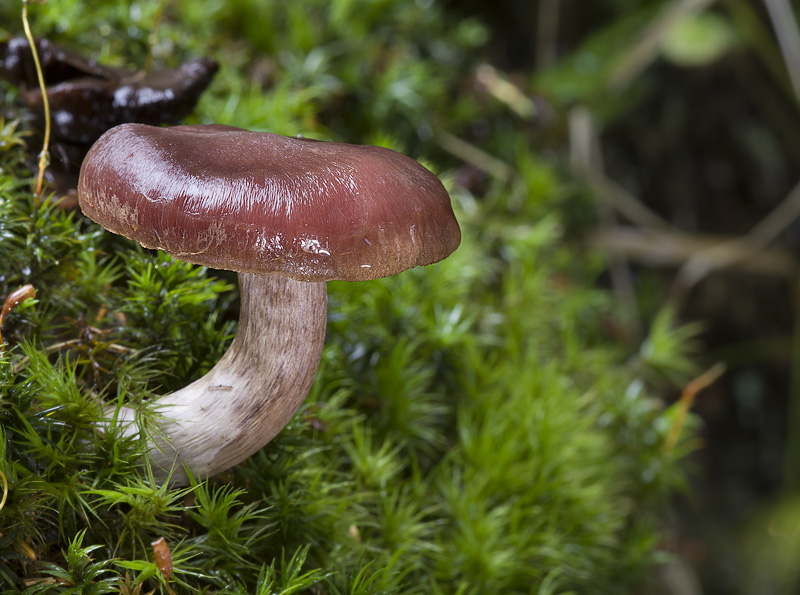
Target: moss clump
point(476, 426)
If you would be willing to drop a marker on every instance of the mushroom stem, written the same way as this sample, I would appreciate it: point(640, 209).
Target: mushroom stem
point(254, 390)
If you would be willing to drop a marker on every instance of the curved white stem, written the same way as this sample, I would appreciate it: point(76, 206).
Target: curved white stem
point(254, 390)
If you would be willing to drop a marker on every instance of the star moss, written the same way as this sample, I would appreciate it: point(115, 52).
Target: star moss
point(475, 427)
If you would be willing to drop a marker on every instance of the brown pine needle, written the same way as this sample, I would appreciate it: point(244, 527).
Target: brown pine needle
point(45, 102)
point(14, 299)
point(686, 400)
point(163, 559)
point(5, 490)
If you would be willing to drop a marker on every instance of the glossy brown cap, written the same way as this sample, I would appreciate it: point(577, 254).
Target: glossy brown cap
point(262, 203)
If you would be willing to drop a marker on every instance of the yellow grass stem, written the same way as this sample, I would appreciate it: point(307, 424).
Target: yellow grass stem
point(686, 400)
point(45, 102)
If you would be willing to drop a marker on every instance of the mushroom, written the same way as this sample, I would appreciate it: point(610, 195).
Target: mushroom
point(288, 214)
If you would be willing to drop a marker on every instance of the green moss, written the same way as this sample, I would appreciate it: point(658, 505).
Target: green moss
point(474, 428)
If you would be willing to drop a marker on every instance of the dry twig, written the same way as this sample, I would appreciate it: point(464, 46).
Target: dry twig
point(645, 50)
point(476, 157)
point(668, 248)
point(734, 251)
point(586, 158)
point(785, 25)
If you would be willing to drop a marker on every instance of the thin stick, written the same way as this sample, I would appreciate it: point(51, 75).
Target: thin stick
point(18, 366)
point(547, 33)
point(504, 90)
point(687, 398)
point(785, 25)
point(475, 156)
point(673, 249)
point(5, 490)
point(727, 254)
point(586, 156)
point(45, 102)
point(645, 50)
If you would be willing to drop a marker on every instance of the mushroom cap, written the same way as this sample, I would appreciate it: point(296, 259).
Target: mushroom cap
point(261, 203)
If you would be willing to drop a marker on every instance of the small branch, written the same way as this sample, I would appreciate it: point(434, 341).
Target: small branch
point(474, 156)
point(785, 25)
point(584, 146)
point(672, 249)
point(731, 252)
point(504, 90)
point(587, 158)
point(625, 203)
point(547, 33)
point(760, 39)
point(18, 366)
point(645, 50)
